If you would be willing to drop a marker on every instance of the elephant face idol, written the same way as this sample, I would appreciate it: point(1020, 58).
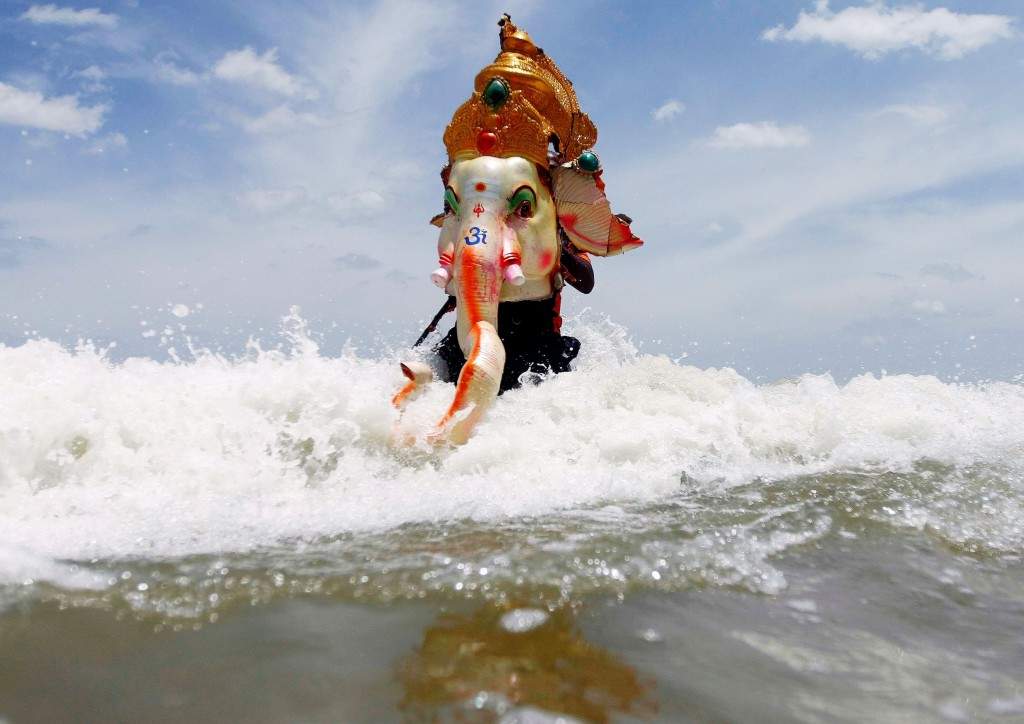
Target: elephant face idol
point(499, 212)
point(521, 178)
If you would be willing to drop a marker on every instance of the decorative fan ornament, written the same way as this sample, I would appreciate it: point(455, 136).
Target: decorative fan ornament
point(584, 212)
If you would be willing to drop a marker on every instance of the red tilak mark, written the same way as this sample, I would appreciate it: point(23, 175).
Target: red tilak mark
point(481, 186)
point(478, 209)
point(545, 259)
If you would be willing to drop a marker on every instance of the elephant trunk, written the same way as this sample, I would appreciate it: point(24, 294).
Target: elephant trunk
point(418, 374)
point(483, 253)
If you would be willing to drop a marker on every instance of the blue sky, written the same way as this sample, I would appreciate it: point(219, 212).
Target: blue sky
point(822, 186)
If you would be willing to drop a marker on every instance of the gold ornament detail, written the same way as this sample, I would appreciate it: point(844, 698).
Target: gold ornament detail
point(541, 111)
point(518, 130)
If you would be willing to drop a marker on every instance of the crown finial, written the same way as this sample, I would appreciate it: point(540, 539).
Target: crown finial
point(515, 40)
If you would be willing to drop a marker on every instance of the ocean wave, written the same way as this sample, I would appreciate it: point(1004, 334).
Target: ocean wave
point(104, 461)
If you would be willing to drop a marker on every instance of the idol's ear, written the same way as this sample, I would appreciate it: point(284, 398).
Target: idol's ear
point(446, 172)
point(586, 216)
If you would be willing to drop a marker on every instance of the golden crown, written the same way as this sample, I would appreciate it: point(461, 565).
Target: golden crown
point(522, 105)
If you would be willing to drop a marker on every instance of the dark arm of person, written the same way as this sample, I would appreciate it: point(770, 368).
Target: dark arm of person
point(576, 268)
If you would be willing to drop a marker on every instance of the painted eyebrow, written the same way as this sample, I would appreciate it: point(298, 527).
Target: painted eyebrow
point(521, 189)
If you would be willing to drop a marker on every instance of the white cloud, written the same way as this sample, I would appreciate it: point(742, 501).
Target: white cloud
point(925, 115)
point(93, 72)
point(53, 15)
point(357, 204)
point(111, 142)
point(876, 29)
point(928, 306)
point(954, 273)
point(270, 200)
point(759, 135)
point(261, 71)
point(281, 118)
point(92, 79)
point(169, 72)
point(357, 261)
point(61, 113)
point(667, 111)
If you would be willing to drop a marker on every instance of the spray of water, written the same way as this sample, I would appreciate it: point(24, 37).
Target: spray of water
point(633, 468)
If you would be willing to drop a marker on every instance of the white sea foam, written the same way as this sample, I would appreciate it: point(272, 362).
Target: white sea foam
point(149, 460)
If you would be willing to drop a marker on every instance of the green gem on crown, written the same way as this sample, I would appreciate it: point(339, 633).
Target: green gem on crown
point(588, 161)
point(496, 92)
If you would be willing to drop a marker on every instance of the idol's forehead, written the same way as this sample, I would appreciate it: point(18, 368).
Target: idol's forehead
point(494, 172)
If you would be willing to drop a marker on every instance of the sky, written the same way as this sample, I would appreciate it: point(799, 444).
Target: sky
point(822, 186)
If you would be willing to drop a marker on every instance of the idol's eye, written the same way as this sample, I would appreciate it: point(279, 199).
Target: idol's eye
point(523, 203)
point(451, 201)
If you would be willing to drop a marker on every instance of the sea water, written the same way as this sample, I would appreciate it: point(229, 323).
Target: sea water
point(691, 544)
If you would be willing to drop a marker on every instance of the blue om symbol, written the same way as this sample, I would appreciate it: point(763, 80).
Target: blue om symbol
point(476, 236)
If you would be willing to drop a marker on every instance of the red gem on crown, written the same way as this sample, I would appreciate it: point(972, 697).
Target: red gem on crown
point(486, 142)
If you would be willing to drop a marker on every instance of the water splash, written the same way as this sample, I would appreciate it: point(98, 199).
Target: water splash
point(632, 471)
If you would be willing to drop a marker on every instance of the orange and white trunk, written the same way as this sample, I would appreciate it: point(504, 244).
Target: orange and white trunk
point(486, 254)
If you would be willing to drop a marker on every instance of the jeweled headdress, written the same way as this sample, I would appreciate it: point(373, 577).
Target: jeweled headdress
point(522, 105)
